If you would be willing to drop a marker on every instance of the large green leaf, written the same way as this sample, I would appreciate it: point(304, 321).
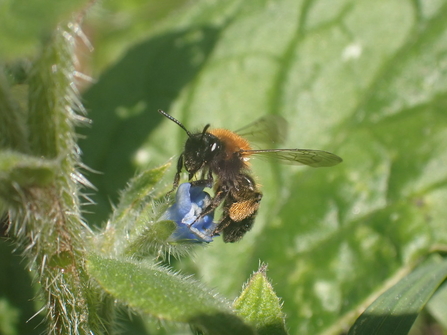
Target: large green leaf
point(365, 80)
point(165, 295)
point(394, 312)
point(437, 306)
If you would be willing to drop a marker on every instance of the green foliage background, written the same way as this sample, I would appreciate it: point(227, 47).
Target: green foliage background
point(365, 80)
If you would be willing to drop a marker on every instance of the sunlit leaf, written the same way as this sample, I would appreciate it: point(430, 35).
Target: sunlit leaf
point(394, 312)
point(437, 306)
point(165, 295)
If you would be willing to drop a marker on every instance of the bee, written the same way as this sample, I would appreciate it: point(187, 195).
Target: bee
point(224, 155)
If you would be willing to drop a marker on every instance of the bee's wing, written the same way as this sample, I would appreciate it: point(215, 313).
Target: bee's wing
point(269, 129)
point(313, 158)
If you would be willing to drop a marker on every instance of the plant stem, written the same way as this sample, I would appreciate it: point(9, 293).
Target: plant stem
point(48, 224)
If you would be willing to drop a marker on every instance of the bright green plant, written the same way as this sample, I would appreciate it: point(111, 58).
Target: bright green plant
point(365, 80)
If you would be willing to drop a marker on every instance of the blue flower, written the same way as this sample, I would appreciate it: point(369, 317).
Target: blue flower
point(189, 204)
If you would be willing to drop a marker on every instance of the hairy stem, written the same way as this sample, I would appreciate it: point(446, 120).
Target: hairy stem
point(47, 224)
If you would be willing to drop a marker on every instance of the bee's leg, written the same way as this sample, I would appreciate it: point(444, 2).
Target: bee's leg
point(202, 183)
point(234, 231)
point(215, 202)
point(177, 174)
point(240, 209)
point(210, 175)
point(224, 223)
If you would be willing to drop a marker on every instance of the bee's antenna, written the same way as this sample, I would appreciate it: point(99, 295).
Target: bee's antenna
point(204, 131)
point(175, 121)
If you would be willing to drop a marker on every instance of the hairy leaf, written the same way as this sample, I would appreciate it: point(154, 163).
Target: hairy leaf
point(165, 295)
point(259, 305)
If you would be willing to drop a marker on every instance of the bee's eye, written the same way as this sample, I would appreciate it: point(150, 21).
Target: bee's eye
point(214, 146)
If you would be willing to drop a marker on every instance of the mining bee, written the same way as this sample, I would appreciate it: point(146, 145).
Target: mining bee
point(223, 155)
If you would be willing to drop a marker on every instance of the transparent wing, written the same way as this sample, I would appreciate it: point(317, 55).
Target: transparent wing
point(269, 129)
point(313, 158)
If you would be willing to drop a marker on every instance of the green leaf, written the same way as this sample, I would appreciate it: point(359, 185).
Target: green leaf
point(259, 305)
point(133, 222)
point(8, 318)
point(153, 240)
point(18, 170)
point(121, 24)
point(165, 295)
point(139, 191)
point(365, 80)
point(17, 291)
point(25, 170)
point(23, 24)
point(12, 117)
point(437, 306)
point(395, 311)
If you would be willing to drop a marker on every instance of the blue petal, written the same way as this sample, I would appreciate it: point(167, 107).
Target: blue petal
point(189, 204)
point(182, 205)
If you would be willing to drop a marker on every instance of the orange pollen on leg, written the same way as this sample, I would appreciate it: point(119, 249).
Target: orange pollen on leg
point(242, 210)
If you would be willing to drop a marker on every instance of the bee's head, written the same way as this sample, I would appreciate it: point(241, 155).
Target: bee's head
point(200, 150)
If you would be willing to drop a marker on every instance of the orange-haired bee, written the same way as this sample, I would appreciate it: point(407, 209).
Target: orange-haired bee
point(223, 154)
